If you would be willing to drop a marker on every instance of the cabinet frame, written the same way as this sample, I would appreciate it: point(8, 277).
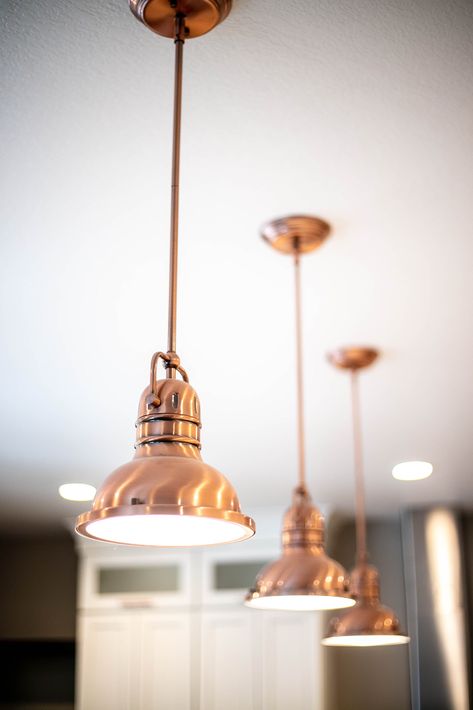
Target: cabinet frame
point(94, 560)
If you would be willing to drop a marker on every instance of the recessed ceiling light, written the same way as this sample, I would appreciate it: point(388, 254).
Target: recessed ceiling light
point(412, 470)
point(77, 491)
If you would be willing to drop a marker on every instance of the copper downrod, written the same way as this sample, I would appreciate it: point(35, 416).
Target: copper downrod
point(361, 550)
point(299, 370)
point(180, 31)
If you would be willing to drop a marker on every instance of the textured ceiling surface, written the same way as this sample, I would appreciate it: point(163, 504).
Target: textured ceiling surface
point(360, 112)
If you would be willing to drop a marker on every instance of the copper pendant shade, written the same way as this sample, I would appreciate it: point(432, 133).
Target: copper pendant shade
point(368, 623)
point(167, 496)
point(303, 578)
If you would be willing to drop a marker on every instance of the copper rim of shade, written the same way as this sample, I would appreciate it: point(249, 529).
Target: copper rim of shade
point(246, 523)
point(355, 626)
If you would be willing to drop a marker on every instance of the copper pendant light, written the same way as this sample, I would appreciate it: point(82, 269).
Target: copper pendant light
point(167, 496)
point(303, 578)
point(368, 623)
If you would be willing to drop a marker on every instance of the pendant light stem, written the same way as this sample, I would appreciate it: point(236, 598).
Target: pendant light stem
point(299, 371)
point(361, 549)
point(180, 32)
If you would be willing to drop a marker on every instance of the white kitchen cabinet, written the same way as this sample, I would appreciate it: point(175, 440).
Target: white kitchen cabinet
point(229, 660)
point(165, 675)
point(106, 664)
point(260, 660)
point(164, 630)
point(291, 658)
point(227, 572)
point(117, 578)
point(134, 661)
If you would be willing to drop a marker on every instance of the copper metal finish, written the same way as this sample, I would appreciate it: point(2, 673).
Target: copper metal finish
point(201, 15)
point(296, 233)
point(368, 618)
point(361, 549)
point(299, 372)
point(352, 358)
point(167, 475)
point(303, 568)
point(179, 30)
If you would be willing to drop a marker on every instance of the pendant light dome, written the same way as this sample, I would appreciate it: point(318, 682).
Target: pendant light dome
point(368, 623)
point(304, 577)
point(167, 496)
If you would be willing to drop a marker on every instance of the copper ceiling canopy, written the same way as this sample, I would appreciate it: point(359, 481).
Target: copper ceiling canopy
point(201, 15)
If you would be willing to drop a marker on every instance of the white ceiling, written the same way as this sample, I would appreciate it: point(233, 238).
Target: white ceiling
point(360, 112)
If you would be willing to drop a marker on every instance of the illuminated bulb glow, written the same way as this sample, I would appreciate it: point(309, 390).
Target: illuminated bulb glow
point(300, 602)
point(412, 470)
point(366, 640)
point(167, 530)
point(77, 491)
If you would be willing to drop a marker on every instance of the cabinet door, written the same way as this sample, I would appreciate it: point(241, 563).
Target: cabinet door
point(165, 674)
point(229, 677)
point(291, 660)
point(105, 663)
point(118, 578)
point(228, 573)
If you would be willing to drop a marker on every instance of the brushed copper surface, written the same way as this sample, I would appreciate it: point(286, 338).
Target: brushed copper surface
point(304, 575)
point(167, 475)
point(368, 623)
point(368, 617)
point(363, 619)
point(354, 357)
point(167, 495)
point(303, 568)
point(201, 15)
point(180, 29)
point(299, 373)
point(295, 233)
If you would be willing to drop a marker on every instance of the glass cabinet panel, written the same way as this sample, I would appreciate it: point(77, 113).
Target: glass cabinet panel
point(236, 575)
point(119, 578)
point(138, 579)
